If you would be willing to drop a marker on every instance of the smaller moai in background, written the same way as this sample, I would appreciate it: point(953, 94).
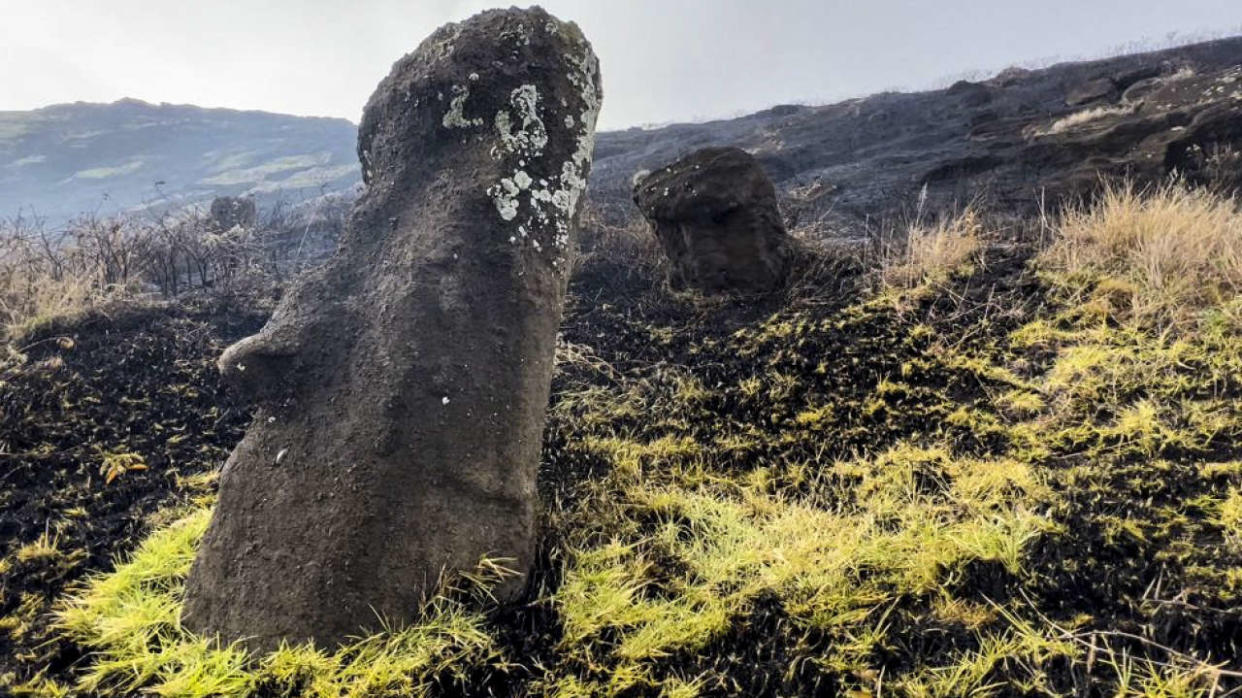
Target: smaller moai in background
point(715, 214)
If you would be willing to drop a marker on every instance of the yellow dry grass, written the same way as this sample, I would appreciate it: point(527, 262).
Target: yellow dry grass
point(1085, 116)
point(932, 254)
point(1155, 257)
point(30, 298)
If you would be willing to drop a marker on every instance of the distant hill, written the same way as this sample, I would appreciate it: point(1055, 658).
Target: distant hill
point(1018, 139)
point(67, 159)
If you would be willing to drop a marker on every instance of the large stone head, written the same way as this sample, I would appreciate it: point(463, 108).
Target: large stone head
point(484, 134)
point(715, 214)
point(402, 386)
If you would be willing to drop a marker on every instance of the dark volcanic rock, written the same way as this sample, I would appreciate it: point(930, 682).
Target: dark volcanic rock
point(1184, 123)
point(228, 212)
point(402, 386)
point(715, 214)
point(1090, 91)
point(972, 94)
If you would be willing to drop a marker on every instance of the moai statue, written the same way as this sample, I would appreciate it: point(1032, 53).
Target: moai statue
point(228, 212)
point(715, 214)
point(401, 388)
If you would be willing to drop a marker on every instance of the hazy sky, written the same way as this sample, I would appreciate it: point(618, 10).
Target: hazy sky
point(662, 60)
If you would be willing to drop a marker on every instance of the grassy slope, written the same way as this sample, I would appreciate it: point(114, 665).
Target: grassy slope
point(993, 478)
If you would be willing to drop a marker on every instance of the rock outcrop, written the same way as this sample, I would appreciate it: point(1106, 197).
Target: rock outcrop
point(715, 214)
point(402, 386)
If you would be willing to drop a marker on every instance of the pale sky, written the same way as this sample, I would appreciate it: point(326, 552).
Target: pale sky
point(662, 60)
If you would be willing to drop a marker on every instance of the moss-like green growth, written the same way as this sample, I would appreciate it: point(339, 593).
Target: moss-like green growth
point(683, 555)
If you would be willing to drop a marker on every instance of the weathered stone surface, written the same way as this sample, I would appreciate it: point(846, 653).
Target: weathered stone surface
point(1182, 123)
point(402, 387)
point(1090, 91)
point(715, 214)
point(228, 212)
point(972, 94)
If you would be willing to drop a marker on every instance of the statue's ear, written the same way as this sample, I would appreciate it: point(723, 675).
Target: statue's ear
point(259, 367)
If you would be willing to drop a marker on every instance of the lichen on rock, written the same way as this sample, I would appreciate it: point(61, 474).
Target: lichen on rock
point(542, 207)
point(454, 117)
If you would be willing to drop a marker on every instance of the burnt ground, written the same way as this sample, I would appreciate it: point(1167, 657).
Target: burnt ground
point(143, 381)
point(637, 328)
point(841, 167)
point(134, 380)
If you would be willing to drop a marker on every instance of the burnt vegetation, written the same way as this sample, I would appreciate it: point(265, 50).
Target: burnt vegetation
point(57, 272)
point(993, 453)
point(988, 460)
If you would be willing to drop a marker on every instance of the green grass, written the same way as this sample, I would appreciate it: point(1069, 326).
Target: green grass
point(131, 618)
point(836, 550)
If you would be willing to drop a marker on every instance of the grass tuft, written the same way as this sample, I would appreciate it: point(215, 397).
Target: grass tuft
point(131, 619)
point(931, 255)
point(1159, 258)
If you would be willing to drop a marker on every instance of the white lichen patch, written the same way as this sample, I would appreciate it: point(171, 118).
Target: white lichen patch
point(531, 136)
point(526, 141)
point(455, 117)
point(505, 197)
point(543, 210)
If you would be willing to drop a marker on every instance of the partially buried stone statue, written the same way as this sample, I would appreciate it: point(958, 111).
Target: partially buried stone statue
point(402, 387)
point(715, 214)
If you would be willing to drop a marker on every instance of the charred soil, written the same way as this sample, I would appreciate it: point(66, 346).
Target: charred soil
point(829, 489)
